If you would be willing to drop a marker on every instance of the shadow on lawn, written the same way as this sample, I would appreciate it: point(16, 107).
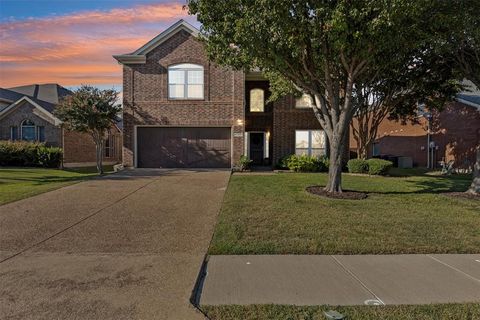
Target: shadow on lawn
point(437, 185)
point(44, 179)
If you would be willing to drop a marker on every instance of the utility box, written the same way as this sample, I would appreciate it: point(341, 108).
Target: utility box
point(405, 162)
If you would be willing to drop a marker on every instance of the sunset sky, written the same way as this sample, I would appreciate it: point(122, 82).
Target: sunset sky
point(71, 42)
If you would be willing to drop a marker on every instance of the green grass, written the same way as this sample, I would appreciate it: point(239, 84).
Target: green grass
point(20, 183)
point(408, 214)
point(406, 312)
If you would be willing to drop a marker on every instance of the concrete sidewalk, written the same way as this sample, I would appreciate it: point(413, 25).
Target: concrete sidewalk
point(340, 279)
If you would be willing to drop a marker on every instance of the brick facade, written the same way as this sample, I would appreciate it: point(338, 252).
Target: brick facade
point(287, 119)
point(455, 131)
point(26, 111)
point(145, 96)
point(78, 148)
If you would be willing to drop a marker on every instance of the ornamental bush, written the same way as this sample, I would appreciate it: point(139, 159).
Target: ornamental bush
point(29, 154)
point(379, 166)
point(357, 166)
point(306, 163)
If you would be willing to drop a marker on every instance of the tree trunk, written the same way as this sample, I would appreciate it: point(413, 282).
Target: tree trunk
point(475, 186)
point(99, 156)
point(362, 150)
point(337, 147)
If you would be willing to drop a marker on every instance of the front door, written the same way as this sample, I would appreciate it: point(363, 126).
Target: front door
point(256, 148)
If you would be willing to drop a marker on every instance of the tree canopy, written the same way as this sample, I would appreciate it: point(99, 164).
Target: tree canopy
point(320, 48)
point(90, 110)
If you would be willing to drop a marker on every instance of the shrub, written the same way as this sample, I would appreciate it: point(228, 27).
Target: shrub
point(29, 154)
point(379, 166)
point(357, 166)
point(244, 163)
point(306, 163)
point(49, 157)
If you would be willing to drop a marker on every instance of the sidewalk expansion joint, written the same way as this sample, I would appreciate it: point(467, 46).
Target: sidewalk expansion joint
point(348, 271)
point(453, 268)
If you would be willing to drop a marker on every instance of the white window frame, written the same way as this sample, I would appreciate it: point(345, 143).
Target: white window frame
point(309, 147)
point(186, 67)
point(28, 126)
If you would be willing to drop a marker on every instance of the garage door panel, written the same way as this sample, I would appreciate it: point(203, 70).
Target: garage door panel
point(183, 147)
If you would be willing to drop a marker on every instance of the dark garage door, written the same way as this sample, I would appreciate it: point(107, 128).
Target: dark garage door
point(183, 147)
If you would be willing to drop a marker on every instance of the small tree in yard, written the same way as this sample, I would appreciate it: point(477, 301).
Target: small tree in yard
point(459, 41)
point(394, 92)
point(93, 111)
point(465, 43)
point(320, 48)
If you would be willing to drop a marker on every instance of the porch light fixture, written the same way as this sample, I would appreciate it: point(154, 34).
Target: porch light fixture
point(240, 122)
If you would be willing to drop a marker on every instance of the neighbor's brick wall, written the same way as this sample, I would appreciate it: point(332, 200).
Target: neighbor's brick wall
point(455, 130)
point(145, 94)
point(79, 147)
point(27, 111)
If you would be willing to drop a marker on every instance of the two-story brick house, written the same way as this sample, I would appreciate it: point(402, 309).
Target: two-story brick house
point(183, 110)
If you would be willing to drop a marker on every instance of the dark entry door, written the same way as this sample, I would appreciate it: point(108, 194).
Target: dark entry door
point(183, 147)
point(256, 148)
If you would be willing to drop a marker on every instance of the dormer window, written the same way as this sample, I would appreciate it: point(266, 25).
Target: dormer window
point(257, 100)
point(185, 81)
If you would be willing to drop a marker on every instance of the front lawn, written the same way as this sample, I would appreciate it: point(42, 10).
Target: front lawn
point(19, 183)
point(273, 214)
point(468, 311)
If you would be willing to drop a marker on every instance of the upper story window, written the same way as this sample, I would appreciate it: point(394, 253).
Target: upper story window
point(257, 100)
point(185, 81)
point(304, 102)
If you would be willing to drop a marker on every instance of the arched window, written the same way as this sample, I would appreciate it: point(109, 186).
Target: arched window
point(257, 100)
point(185, 81)
point(28, 130)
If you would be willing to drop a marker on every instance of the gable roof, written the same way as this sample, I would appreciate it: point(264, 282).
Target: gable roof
point(139, 55)
point(36, 104)
point(49, 92)
point(13, 97)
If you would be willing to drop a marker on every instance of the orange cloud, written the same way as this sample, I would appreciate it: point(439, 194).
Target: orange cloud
point(78, 48)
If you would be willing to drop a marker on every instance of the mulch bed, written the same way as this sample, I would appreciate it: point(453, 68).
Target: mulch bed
point(346, 194)
point(462, 195)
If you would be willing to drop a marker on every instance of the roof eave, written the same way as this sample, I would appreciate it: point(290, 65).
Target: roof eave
point(469, 103)
point(5, 111)
point(165, 35)
point(130, 58)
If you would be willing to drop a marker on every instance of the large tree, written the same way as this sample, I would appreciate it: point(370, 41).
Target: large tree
point(92, 111)
point(318, 47)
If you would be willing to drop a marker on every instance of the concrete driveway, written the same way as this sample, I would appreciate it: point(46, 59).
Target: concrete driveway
point(126, 246)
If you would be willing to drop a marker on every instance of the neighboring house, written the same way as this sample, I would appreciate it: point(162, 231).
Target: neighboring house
point(454, 135)
point(182, 110)
point(27, 113)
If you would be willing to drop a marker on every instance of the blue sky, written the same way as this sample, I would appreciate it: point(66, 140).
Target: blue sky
point(24, 9)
